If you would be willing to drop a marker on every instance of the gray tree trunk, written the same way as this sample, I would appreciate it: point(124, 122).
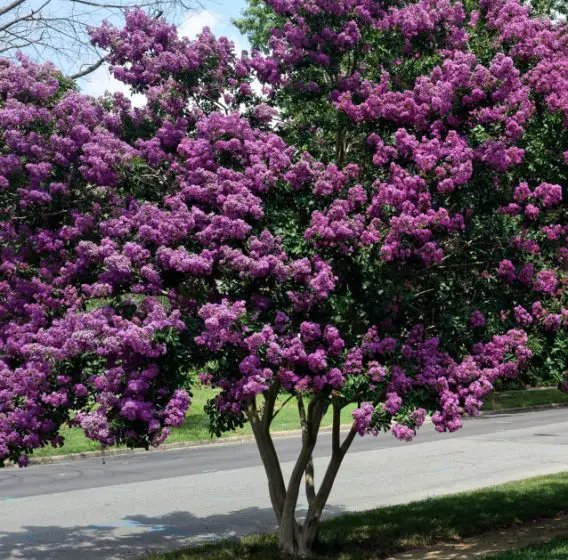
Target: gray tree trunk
point(297, 539)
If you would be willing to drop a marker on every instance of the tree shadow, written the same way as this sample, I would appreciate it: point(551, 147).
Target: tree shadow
point(373, 534)
point(136, 535)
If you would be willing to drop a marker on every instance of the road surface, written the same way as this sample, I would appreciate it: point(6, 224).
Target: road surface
point(157, 501)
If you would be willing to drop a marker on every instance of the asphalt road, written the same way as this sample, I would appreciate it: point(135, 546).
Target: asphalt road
point(86, 510)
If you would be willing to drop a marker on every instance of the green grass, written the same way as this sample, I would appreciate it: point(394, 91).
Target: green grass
point(556, 549)
point(506, 400)
point(195, 428)
point(380, 532)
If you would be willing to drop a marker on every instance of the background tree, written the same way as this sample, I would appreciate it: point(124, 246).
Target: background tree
point(555, 9)
point(57, 30)
point(385, 224)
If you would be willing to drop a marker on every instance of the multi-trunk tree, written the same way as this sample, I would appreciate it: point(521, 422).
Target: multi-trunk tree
point(369, 208)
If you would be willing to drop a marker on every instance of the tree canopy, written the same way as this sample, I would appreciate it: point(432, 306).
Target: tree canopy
point(371, 209)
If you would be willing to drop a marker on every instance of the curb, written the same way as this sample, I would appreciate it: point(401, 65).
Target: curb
point(54, 459)
point(126, 451)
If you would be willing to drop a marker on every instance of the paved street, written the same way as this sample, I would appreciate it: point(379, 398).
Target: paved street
point(131, 504)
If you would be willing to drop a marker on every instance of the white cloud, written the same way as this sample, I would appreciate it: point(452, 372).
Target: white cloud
point(196, 21)
point(101, 81)
point(220, 26)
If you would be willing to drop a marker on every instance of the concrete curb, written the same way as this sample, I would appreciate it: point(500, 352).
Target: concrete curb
point(162, 448)
point(54, 459)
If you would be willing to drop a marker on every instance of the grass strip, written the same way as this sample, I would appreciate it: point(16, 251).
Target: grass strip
point(383, 531)
point(196, 426)
point(556, 549)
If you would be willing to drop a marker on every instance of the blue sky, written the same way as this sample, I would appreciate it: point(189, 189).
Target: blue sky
point(215, 14)
point(225, 10)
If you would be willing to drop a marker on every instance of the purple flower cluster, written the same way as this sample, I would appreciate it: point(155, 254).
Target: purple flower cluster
point(541, 316)
point(458, 386)
point(477, 319)
point(139, 244)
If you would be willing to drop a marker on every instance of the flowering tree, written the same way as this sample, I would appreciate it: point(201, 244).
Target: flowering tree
point(383, 224)
point(58, 29)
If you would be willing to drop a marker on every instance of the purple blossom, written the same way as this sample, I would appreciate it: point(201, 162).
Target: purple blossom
point(546, 282)
point(392, 403)
point(363, 418)
point(477, 319)
point(141, 241)
point(403, 433)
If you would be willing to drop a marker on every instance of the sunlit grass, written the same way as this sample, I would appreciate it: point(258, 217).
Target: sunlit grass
point(556, 549)
point(381, 532)
point(195, 428)
point(507, 400)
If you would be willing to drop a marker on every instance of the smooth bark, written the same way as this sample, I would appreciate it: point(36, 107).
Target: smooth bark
point(294, 538)
point(269, 458)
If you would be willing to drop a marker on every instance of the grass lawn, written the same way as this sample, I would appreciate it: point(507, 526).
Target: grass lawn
point(380, 532)
point(556, 549)
point(195, 428)
point(506, 400)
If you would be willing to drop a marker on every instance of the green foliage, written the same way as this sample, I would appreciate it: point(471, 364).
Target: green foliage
point(550, 8)
point(256, 22)
point(502, 401)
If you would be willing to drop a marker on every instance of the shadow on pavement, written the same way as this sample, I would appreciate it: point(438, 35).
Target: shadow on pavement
point(134, 536)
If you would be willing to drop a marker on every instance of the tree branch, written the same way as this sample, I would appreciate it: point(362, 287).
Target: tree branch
point(61, 35)
point(336, 429)
point(89, 69)
point(302, 414)
point(309, 438)
point(348, 441)
point(309, 474)
point(24, 17)
point(9, 7)
point(310, 481)
point(290, 529)
point(340, 144)
point(15, 47)
point(269, 402)
point(316, 506)
point(282, 406)
point(110, 6)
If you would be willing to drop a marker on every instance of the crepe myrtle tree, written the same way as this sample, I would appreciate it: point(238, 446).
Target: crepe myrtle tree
point(363, 228)
point(57, 30)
